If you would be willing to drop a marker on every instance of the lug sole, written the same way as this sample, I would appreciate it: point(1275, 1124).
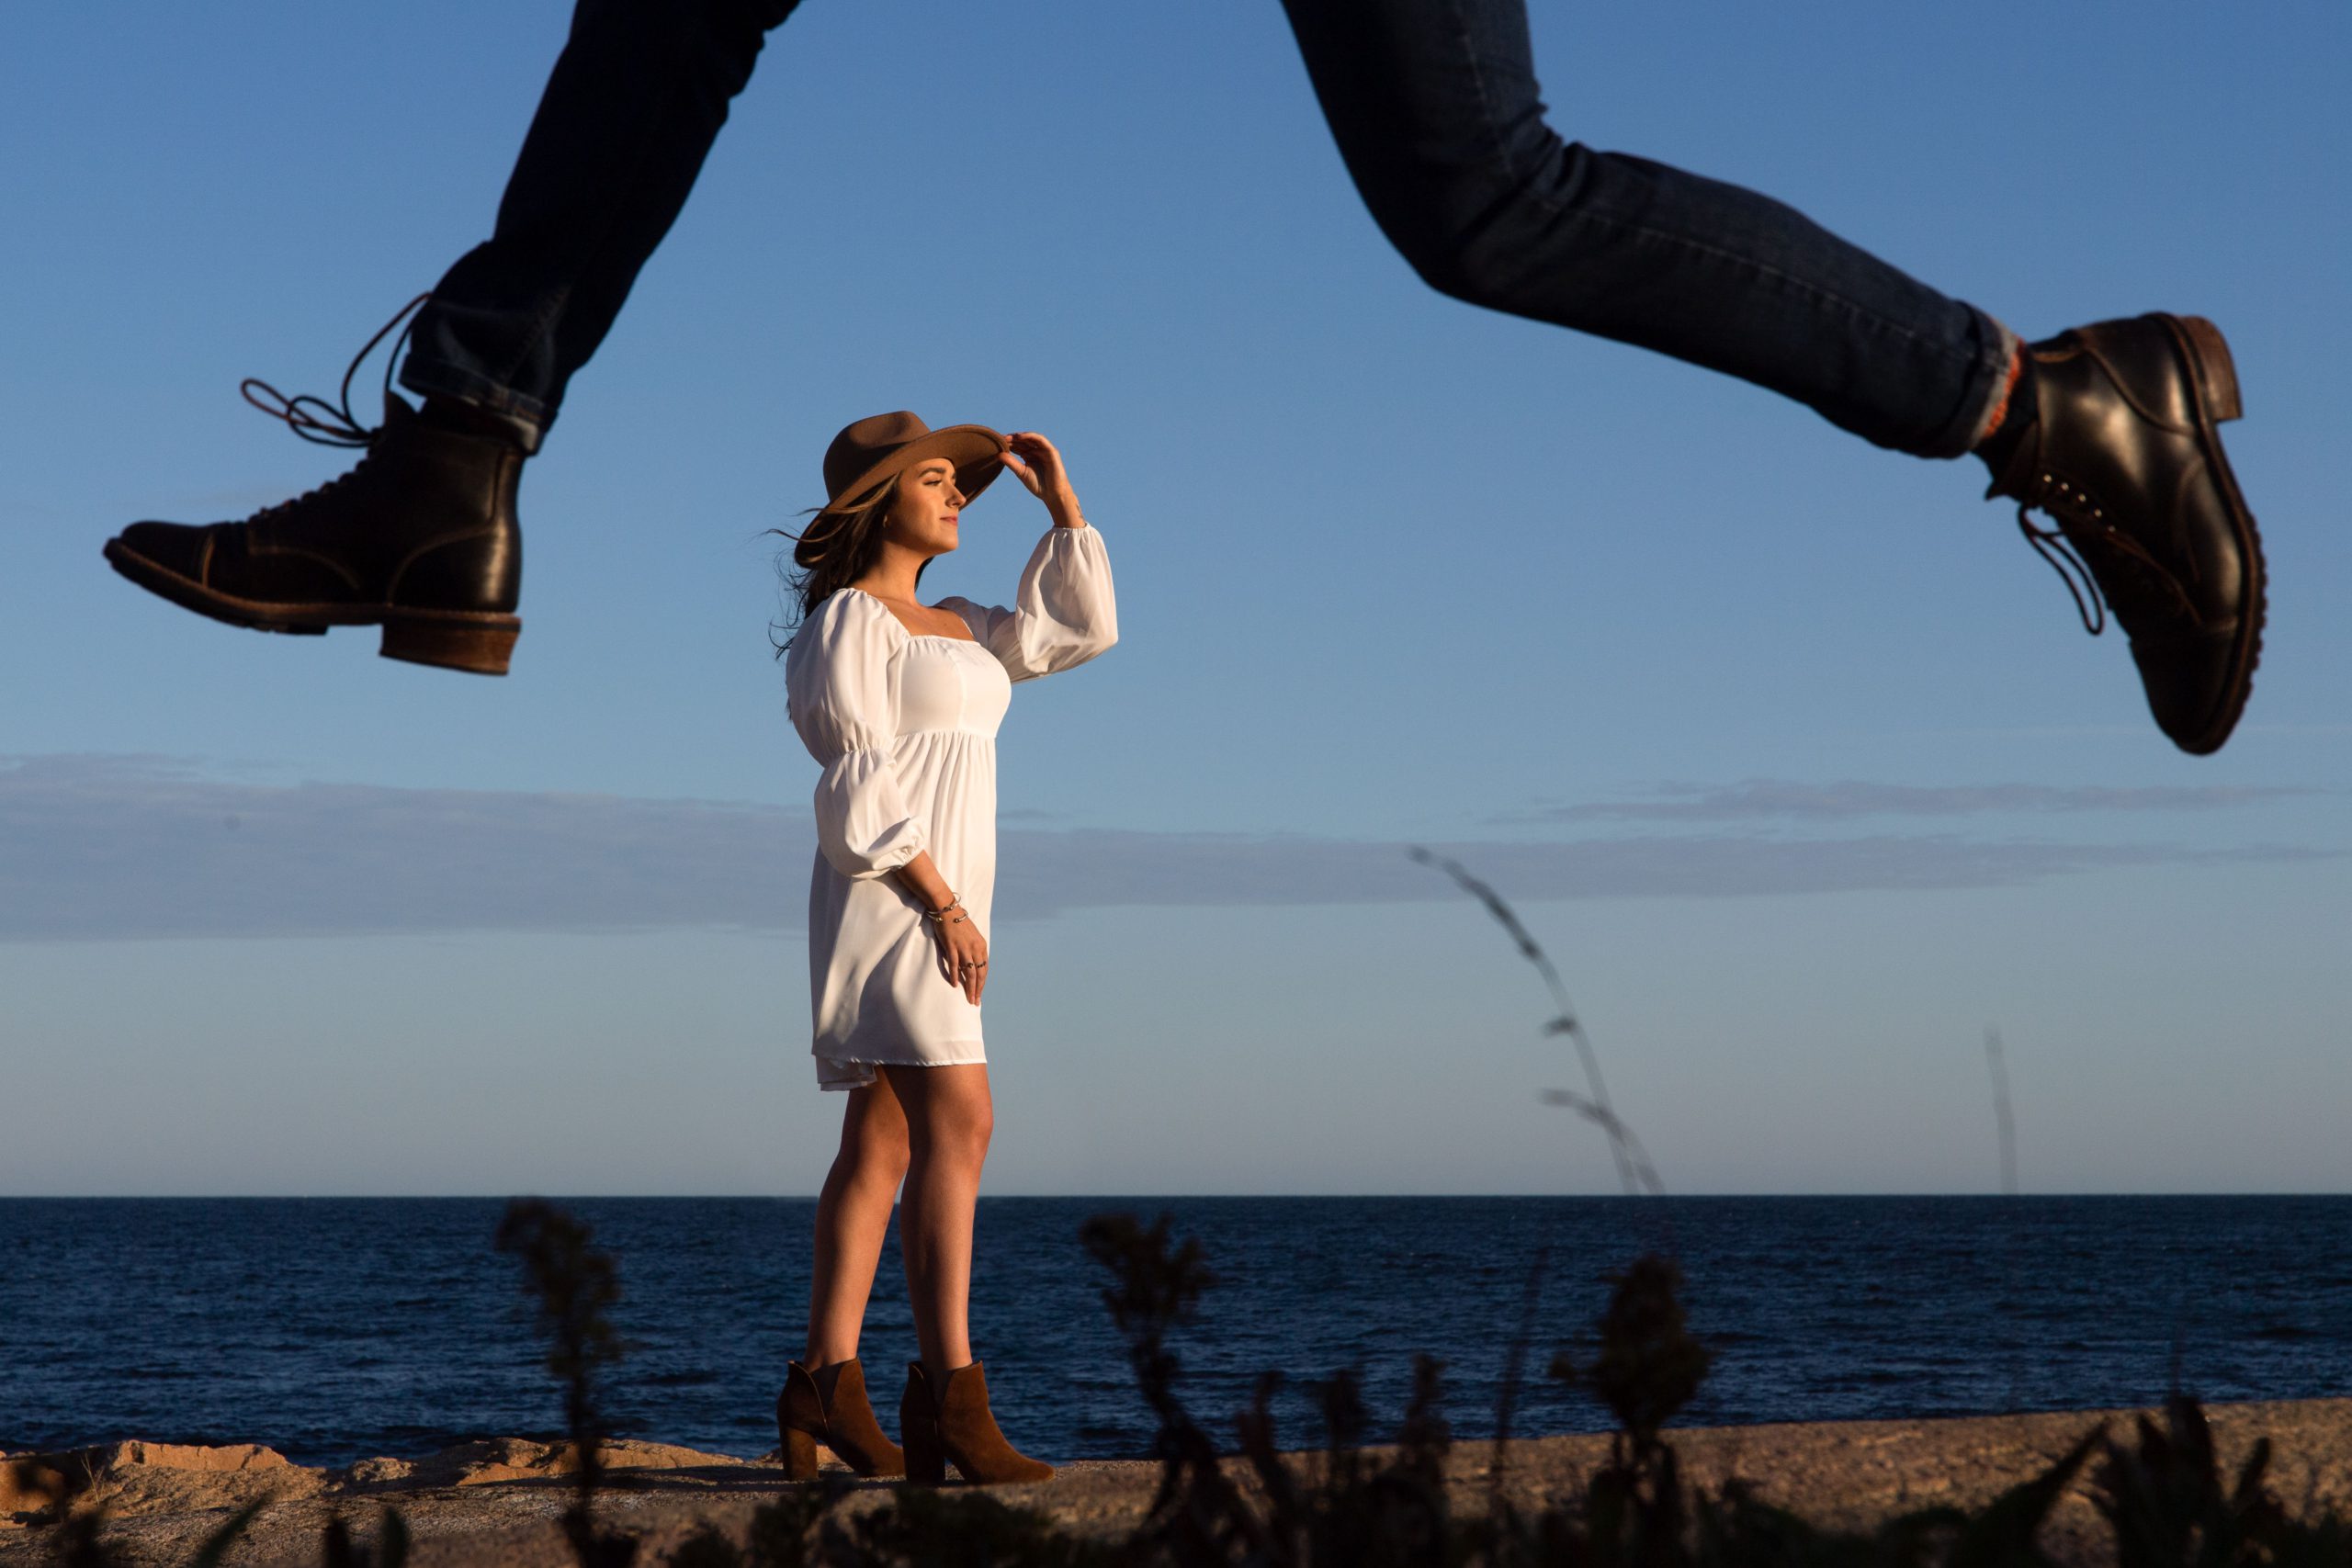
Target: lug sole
point(2213, 372)
point(479, 642)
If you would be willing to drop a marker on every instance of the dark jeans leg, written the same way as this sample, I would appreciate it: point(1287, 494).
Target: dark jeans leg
point(634, 101)
point(1439, 120)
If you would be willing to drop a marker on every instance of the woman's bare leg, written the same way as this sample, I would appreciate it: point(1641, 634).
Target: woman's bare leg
point(853, 1216)
point(949, 1117)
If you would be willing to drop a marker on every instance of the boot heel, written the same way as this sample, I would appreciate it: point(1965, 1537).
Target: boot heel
point(482, 648)
point(2217, 373)
point(926, 1460)
point(799, 1455)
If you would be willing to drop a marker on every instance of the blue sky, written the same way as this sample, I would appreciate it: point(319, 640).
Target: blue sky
point(1794, 754)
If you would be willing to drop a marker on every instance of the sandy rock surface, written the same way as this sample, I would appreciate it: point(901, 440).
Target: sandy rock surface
point(495, 1504)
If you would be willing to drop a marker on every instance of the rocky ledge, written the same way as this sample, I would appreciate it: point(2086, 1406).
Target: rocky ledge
point(495, 1502)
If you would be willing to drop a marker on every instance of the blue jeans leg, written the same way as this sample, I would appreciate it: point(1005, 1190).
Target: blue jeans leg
point(1439, 117)
point(630, 111)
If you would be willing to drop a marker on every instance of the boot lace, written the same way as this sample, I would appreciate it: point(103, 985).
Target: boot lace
point(333, 425)
point(2053, 547)
point(2127, 581)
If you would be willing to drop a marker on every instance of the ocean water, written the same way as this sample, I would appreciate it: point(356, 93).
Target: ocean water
point(336, 1329)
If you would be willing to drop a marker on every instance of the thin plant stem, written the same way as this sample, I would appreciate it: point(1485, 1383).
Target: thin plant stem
point(1633, 1167)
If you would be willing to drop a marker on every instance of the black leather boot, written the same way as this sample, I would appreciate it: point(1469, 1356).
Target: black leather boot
point(420, 537)
point(2124, 452)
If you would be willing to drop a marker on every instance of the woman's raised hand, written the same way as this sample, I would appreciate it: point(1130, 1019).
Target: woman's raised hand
point(1037, 464)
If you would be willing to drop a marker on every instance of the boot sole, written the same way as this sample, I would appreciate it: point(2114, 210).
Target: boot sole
point(479, 642)
point(937, 1476)
point(2214, 375)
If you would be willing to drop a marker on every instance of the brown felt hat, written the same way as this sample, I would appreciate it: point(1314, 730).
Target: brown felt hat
point(873, 450)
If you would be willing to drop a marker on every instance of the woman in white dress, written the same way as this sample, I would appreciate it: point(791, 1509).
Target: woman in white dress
point(900, 701)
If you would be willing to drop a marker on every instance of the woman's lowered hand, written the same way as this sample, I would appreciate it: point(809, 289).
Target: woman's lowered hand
point(962, 954)
point(963, 951)
point(1037, 464)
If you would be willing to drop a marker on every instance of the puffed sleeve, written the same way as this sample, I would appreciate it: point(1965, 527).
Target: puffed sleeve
point(837, 680)
point(1065, 613)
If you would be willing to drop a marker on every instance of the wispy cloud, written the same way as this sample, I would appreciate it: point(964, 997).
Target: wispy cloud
point(1786, 800)
point(141, 846)
point(97, 848)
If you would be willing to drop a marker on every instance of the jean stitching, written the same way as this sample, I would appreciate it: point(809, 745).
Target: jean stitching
point(1488, 119)
point(541, 320)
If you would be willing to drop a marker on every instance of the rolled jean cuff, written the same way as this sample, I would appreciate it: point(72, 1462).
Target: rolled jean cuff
point(439, 378)
point(1989, 377)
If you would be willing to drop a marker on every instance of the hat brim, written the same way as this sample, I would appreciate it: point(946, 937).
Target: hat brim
point(977, 451)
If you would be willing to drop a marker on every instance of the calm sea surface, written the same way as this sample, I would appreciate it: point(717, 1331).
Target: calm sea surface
point(336, 1329)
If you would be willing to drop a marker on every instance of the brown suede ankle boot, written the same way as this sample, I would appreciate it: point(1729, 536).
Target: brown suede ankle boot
point(955, 1422)
point(828, 1407)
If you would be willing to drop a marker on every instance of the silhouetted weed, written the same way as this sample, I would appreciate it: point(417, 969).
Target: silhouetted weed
point(1355, 1507)
point(2163, 1497)
point(76, 1542)
point(390, 1551)
point(2003, 1116)
point(1153, 1290)
point(1514, 1370)
point(706, 1548)
point(1650, 1367)
point(47, 1479)
point(2166, 1501)
point(920, 1528)
point(216, 1545)
point(1634, 1167)
point(954, 1529)
point(785, 1533)
point(574, 1284)
point(2008, 1529)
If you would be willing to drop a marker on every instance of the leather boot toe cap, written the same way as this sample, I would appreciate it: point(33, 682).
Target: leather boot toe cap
point(182, 548)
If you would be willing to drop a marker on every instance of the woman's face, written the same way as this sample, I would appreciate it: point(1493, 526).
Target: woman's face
point(922, 514)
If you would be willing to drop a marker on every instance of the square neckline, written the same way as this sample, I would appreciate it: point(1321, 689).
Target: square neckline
point(908, 632)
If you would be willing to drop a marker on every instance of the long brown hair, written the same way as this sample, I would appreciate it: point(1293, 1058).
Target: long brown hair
point(840, 546)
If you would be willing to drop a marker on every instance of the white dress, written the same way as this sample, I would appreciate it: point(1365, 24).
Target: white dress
point(905, 725)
